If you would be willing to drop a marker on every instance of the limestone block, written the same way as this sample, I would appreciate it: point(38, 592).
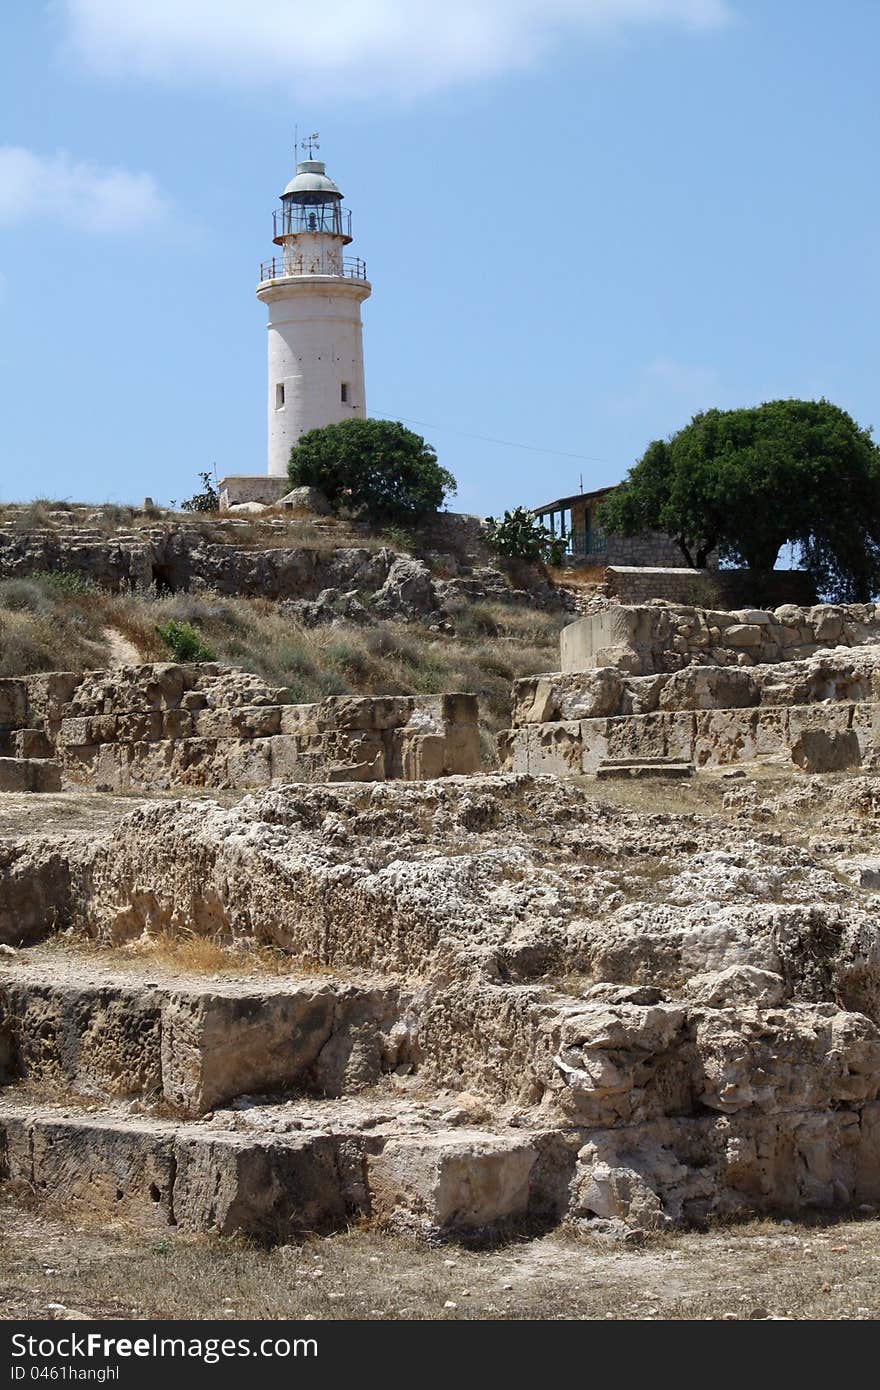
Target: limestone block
point(193, 700)
point(826, 621)
point(458, 1179)
point(709, 687)
point(289, 761)
point(89, 1167)
point(750, 616)
point(29, 775)
point(299, 719)
point(48, 693)
point(234, 1185)
point(462, 752)
point(418, 757)
point(641, 694)
point(31, 743)
point(616, 1187)
point(832, 717)
point(248, 763)
point(772, 734)
point(735, 986)
point(513, 750)
point(143, 727)
point(89, 1039)
point(818, 750)
point(554, 748)
point(863, 870)
point(13, 702)
point(103, 766)
point(345, 712)
point(255, 721)
point(83, 732)
point(744, 635)
point(216, 1046)
point(725, 736)
point(680, 734)
point(534, 700)
point(866, 727)
point(636, 736)
point(177, 723)
point(584, 643)
point(790, 615)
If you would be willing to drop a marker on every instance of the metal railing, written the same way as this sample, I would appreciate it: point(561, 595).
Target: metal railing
point(591, 542)
point(286, 267)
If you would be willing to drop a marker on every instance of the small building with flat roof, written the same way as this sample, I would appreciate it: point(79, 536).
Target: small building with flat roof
point(575, 520)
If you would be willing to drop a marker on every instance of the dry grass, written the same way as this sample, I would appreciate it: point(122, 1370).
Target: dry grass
point(801, 1271)
point(45, 627)
point(205, 955)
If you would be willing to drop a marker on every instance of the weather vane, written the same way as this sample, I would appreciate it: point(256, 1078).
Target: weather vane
point(311, 143)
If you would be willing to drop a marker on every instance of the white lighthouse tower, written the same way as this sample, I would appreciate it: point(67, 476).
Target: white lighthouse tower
point(314, 294)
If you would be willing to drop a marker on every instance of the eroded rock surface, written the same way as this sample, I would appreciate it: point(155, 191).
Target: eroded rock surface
point(622, 1016)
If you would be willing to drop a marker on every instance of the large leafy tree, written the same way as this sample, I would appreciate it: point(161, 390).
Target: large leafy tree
point(377, 467)
point(746, 482)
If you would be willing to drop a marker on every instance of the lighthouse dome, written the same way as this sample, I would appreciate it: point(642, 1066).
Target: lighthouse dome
point(311, 184)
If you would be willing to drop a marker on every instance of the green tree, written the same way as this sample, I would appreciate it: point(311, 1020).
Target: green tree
point(746, 482)
point(520, 536)
point(373, 466)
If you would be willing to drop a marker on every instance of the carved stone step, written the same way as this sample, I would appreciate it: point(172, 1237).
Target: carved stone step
point(332, 1165)
point(192, 1044)
point(30, 775)
point(643, 767)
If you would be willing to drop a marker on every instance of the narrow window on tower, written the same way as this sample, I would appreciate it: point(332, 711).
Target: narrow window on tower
point(343, 391)
point(279, 395)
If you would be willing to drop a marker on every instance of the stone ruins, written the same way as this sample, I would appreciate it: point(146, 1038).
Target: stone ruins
point(455, 1000)
point(163, 725)
point(675, 689)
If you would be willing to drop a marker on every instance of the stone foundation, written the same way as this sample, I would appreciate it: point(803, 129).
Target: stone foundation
point(660, 637)
point(160, 726)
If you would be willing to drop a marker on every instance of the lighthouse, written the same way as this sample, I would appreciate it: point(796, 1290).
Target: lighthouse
point(313, 292)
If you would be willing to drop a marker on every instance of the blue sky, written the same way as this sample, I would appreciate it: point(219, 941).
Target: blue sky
point(583, 221)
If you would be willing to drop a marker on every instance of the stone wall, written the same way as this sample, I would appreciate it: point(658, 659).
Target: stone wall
point(647, 549)
point(710, 587)
point(822, 714)
point(638, 583)
point(161, 726)
point(658, 637)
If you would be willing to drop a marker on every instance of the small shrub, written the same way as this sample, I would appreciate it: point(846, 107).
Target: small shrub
point(65, 581)
point(519, 536)
point(184, 641)
point(206, 501)
point(23, 596)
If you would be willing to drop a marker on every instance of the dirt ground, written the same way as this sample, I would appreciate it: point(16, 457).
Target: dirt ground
point(49, 1269)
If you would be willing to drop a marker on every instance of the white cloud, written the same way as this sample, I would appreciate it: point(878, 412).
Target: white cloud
point(353, 45)
point(73, 193)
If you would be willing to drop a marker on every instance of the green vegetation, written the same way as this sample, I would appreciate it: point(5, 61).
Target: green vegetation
point(376, 468)
point(520, 536)
point(184, 642)
point(208, 500)
point(747, 482)
point(45, 628)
